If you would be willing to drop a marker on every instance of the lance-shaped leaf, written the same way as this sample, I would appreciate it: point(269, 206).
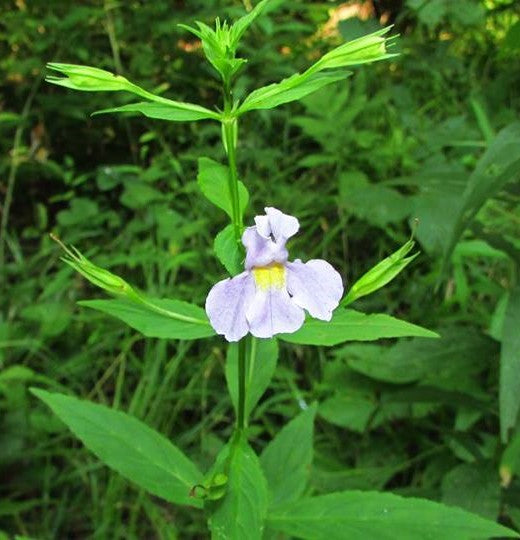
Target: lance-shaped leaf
point(293, 88)
point(510, 462)
point(350, 325)
point(128, 446)
point(91, 79)
point(499, 165)
point(214, 182)
point(161, 318)
point(358, 515)
point(239, 27)
point(229, 252)
point(473, 487)
point(157, 317)
point(261, 359)
point(287, 459)
point(174, 111)
point(241, 512)
point(381, 274)
point(510, 365)
point(366, 49)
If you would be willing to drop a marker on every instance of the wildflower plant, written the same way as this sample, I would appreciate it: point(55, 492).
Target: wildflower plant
point(266, 297)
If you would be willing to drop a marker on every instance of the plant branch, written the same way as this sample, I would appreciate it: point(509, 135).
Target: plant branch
point(241, 416)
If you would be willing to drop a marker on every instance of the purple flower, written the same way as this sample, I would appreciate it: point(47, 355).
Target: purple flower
point(270, 296)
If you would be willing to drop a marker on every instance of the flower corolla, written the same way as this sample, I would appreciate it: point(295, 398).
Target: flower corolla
point(270, 296)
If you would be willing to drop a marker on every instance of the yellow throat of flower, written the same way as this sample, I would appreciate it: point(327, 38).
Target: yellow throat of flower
point(269, 277)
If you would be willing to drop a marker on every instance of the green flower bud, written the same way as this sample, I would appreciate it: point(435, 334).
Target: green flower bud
point(95, 274)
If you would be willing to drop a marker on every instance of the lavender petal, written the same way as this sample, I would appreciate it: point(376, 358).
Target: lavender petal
point(314, 286)
point(281, 226)
point(273, 312)
point(227, 303)
point(262, 251)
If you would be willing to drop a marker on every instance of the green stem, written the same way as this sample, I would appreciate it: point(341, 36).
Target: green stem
point(136, 297)
point(229, 139)
point(241, 415)
point(229, 130)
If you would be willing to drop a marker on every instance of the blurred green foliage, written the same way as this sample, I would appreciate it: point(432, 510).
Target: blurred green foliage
point(426, 141)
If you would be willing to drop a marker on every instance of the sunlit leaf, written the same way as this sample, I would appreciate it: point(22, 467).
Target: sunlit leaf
point(291, 89)
point(368, 48)
point(174, 111)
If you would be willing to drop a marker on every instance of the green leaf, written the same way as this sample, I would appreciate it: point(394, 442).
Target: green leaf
point(351, 410)
point(228, 251)
point(220, 44)
point(219, 47)
point(239, 27)
point(467, 12)
point(474, 487)
point(510, 462)
point(375, 203)
point(173, 111)
point(139, 195)
point(429, 394)
point(287, 459)
point(359, 51)
point(16, 373)
point(350, 325)
point(91, 79)
point(436, 205)
point(213, 180)
point(512, 39)
point(162, 318)
point(499, 165)
point(381, 274)
point(460, 350)
point(261, 359)
point(128, 446)
point(510, 365)
point(293, 88)
point(359, 515)
point(241, 513)
point(158, 318)
point(429, 13)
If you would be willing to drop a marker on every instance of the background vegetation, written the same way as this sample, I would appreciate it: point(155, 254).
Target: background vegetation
point(426, 141)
